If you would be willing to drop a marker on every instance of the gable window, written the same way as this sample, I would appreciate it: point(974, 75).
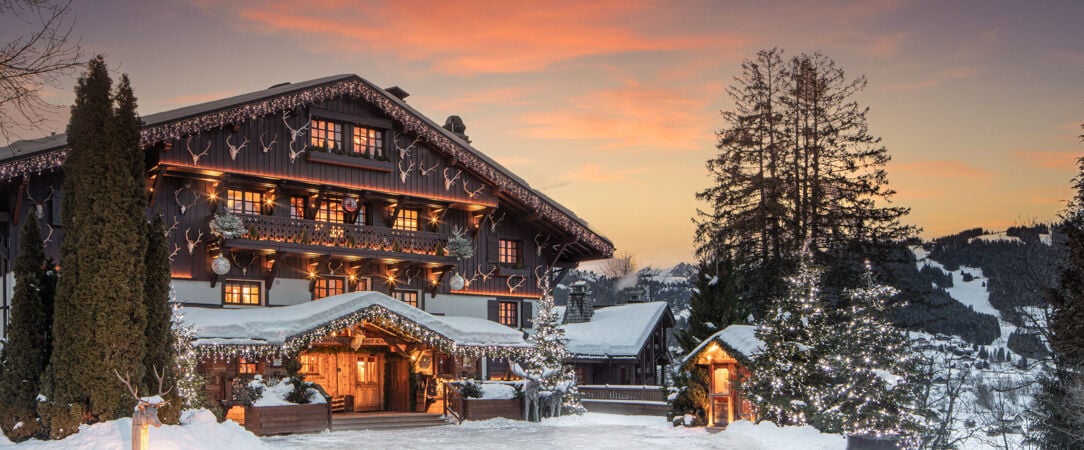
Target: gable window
point(327, 134)
point(239, 292)
point(328, 286)
point(243, 202)
point(368, 141)
point(407, 220)
point(510, 252)
point(297, 207)
point(408, 297)
point(508, 313)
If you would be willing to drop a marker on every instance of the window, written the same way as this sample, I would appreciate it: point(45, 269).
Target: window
point(408, 297)
point(246, 366)
point(310, 365)
point(407, 220)
point(368, 141)
point(327, 134)
point(508, 313)
point(367, 369)
point(243, 202)
point(510, 252)
point(328, 286)
point(297, 207)
point(241, 292)
point(362, 284)
point(330, 211)
point(721, 381)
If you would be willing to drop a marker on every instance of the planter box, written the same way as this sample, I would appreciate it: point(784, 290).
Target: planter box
point(288, 419)
point(861, 442)
point(479, 409)
point(355, 162)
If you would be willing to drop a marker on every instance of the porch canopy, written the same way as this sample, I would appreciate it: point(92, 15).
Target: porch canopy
point(287, 330)
point(739, 340)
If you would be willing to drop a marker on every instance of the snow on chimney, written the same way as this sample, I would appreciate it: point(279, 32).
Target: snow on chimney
point(580, 307)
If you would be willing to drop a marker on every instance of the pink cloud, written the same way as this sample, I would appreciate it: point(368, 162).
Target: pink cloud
point(941, 77)
point(1057, 160)
point(594, 173)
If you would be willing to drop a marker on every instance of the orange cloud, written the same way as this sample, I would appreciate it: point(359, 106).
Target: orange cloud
point(594, 173)
point(940, 169)
point(627, 117)
point(470, 37)
point(1048, 159)
point(944, 76)
point(883, 47)
point(472, 101)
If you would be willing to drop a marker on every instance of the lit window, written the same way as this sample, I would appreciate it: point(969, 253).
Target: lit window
point(368, 141)
point(241, 292)
point(510, 252)
point(367, 369)
point(243, 202)
point(246, 366)
point(408, 297)
point(407, 220)
point(509, 313)
point(328, 286)
point(297, 207)
point(363, 285)
point(330, 211)
point(721, 381)
point(327, 134)
point(310, 365)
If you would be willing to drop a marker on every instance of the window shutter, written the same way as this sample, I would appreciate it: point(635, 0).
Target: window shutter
point(526, 311)
point(492, 246)
point(55, 207)
point(493, 311)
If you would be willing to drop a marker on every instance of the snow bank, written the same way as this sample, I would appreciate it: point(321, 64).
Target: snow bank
point(497, 391)
point(276, 395)
point(200, 431)
point(615, 330)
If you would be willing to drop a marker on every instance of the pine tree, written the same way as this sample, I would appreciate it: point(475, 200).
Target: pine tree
point(1060, 421)
point(26, 352)
point(100, 316)
point(788, 384)
point(159, 347)
point(714, 304)
point(870, 368)
point(796, 162)
point(547, 360)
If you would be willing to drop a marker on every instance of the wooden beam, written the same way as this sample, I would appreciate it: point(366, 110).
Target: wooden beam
point(20, 200)
point(560, 275)
point(440, 273)
point(269, 280)
point(398, 208)
point(487, 215)
point(560, 251)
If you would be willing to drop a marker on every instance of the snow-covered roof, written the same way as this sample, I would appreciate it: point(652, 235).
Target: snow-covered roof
point(738, 339)
point(615, 331)
point(276, 326)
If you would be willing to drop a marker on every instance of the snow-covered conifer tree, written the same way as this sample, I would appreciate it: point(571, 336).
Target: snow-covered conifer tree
point(550, 353)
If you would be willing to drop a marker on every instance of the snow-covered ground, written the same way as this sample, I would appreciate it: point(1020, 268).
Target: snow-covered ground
point(590, 431)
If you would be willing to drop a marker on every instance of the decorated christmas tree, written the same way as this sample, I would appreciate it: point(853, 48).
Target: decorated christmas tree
point(546, 362)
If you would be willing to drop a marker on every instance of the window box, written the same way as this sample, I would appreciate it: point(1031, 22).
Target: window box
point(318, 155)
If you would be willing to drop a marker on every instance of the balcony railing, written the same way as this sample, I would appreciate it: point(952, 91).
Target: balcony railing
point(310, 232)
point(620, 392)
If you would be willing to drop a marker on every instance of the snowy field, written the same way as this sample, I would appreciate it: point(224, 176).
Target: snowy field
point(590, 431)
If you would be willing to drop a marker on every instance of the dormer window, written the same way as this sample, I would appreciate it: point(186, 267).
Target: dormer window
point(327, 134)
point(243, 202)
point(368, 142)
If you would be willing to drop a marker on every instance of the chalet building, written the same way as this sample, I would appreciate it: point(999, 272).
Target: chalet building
point(285, 196)
point(726, 354)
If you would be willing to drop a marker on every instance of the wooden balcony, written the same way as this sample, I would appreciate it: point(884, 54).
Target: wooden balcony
point(309, 236)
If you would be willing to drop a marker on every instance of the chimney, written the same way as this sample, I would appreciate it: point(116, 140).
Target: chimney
point(580, 306)
point(456, 126)
point(635, 294)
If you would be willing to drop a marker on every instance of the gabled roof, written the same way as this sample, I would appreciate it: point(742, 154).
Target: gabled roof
point(616, 331)
point(24, 157)
point(276, 329)
point(738, 340)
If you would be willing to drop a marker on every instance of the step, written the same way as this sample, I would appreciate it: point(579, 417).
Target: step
point(362, 422)
point(388, 426)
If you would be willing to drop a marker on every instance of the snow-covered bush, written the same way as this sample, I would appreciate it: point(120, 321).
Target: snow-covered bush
point(248, 393)
point(228, 226)
point(470, 388)
point(459, 247)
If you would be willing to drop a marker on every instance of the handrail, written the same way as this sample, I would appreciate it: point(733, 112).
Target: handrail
point(633, 393)
point(453, 403)
point(311, 232)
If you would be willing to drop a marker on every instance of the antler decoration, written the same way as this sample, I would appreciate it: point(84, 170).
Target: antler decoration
point(267, 147)
point(540, 277)
point(195, 157)
point(169, 231)
point(145, 413)
point(39, 207)
point(248, 262)
point(487, 275)
point(176, 249)
point(470, 193)
point(405, 151)
point(192, 243)
point(294, 134)
point(493, 223)
point(448, 182)
point(48, 237)
point(331, 270)
point(513, 285)
point(177, 197)
point(410, 274)
point(235, 149)
point(541, 245)
point(403, 173)
point(422, 171)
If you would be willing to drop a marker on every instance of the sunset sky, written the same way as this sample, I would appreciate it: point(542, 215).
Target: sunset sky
point(610, 107)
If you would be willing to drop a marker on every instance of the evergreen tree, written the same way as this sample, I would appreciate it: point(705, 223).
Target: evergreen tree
point(714, 304)
point(788, 383)
point(870, 368)
point(100, 315)
point(1060, 421)
point(547, 360)
point(26, 352)
point(160, 351)
point(796, 162)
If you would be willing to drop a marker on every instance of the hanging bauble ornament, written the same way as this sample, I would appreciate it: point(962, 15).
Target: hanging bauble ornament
point(457, 282)
point(350, 204)
point(220, 265)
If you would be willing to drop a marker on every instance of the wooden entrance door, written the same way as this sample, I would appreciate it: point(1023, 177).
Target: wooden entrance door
point(369, 386)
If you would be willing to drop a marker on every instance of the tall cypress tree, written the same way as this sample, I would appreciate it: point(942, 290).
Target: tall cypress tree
point(26, 352)
point(100, 315)
point(160, 351)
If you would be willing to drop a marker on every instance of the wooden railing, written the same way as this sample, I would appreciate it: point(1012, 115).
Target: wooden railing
point(310, 232)
point(453, 403)
point(613, 392)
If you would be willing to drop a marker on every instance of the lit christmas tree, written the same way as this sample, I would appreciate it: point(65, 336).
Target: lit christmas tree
point(547, 359)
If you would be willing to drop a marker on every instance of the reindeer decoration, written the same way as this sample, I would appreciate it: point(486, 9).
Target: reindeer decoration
point(541, 245)
point(235, 149)
point(494, 222)
point(39, 207)
point(295, 133)
point(145, 413)
point(403, 173)
point(448, 182)
point(267, 147)
point(190, 242)
point(195, 157)
point(472, 193)
point(177, 197)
